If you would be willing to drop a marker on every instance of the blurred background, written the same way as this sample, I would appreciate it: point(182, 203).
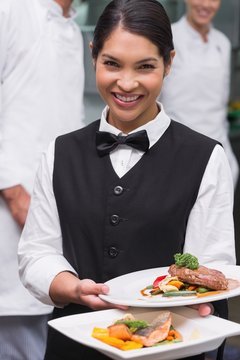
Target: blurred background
point(227, 20)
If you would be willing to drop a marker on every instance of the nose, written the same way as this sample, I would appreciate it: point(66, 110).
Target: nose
point(127, 82)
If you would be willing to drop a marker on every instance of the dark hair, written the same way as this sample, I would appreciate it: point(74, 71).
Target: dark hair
point(147, 18)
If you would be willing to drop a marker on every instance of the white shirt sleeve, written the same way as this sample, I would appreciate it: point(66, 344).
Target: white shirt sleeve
point(40, 248)
point(210, 228)
point(8, 174)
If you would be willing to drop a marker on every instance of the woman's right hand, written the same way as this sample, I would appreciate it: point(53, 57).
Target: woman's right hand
point(67, 288)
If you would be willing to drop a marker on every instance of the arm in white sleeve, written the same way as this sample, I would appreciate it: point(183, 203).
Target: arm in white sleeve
point(8, 167)
point(40, 248)
point(210, 228)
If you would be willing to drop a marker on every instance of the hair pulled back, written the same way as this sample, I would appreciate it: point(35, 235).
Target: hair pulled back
point(146, 18)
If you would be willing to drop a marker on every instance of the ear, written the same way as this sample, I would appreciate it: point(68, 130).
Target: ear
point(169, 65)
point(91, 47)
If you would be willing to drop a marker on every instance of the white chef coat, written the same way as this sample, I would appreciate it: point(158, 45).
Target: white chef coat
point(196, 91)
point(210, 223)
point(41, 96)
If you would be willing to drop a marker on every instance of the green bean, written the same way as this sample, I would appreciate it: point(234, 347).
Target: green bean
point(179, 293)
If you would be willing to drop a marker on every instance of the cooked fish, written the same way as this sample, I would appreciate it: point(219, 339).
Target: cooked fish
point(157, 331)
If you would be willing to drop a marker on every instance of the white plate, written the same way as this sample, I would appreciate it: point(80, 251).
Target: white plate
point(125, 289)
point(199, 334)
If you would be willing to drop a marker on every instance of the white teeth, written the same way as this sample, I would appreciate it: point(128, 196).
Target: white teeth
point(127, 99)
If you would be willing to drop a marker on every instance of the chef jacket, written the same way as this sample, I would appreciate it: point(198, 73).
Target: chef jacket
point(41, 97)
point(210, 223)
point(196, 91)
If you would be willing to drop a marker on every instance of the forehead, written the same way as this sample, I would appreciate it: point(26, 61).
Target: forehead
point(124, 43)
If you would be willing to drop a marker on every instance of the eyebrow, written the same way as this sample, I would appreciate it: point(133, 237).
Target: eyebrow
point(138, 62)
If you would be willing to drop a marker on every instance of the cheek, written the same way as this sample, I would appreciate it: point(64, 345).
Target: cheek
point(154, 84)
point(104, 79)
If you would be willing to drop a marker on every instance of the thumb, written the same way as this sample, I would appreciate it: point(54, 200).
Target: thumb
point(89, 287)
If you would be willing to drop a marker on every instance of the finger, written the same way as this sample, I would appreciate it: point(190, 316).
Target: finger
point(89, 287)
point(205, 309)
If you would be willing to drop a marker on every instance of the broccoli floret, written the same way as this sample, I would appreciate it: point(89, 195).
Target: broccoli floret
point(187, 260)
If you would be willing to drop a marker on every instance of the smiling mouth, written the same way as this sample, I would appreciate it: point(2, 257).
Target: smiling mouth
point(127, 99)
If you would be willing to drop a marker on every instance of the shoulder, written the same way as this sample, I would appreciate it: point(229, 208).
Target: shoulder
point(16, 12)
point(220, 38)
point(77, 135)
point(178, 26)
point(190, 137)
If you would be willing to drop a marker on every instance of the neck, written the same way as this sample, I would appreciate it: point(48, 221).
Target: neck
point(203, 30)
point(65, 5)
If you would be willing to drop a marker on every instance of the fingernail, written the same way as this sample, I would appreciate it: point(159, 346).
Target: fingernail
point(105, 289)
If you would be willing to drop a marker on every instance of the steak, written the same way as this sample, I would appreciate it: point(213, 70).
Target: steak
point(209, 278)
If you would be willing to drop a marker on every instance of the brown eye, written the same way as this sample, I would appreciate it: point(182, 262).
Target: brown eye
point(147, 67)
point(111, 63)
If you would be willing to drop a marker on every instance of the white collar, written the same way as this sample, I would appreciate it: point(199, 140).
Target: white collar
point(193, 32)
point(155, 128)
point(56, 9)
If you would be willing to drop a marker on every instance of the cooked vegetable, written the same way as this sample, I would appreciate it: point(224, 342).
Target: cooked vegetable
point(157, 280)
point(186, 260)
point(159, 331)
point(179, 293)
point(202, 289)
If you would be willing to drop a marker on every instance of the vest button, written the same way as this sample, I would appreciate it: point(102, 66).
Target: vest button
point(118, 190)
point(113, 252)
point(114, 219)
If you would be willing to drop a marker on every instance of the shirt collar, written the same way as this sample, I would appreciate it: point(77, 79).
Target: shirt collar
point(56, 10)
point(155, 128)
point(193, 33)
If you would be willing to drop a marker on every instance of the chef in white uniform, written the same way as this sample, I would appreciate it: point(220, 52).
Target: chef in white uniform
point(41, 96)
point(196, 92)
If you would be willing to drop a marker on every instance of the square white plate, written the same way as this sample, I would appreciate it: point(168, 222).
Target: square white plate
point(199, 334)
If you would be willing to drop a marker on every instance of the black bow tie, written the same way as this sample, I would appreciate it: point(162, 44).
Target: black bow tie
point(107, 142)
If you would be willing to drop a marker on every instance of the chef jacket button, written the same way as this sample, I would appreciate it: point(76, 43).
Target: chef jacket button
point(113, 252)
point(115, 219)
point(118, 190)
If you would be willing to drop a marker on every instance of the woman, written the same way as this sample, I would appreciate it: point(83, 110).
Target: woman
point(105, 205)
point(196, 93)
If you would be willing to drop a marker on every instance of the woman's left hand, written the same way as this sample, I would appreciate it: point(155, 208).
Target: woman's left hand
point(204, 309)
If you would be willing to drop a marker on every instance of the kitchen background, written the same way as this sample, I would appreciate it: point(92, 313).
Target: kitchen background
point(228, 21)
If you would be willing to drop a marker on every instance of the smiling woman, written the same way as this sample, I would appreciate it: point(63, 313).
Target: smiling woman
point(132, 182)
point(130, 82)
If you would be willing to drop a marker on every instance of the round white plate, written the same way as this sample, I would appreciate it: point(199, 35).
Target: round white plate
point(126, 289)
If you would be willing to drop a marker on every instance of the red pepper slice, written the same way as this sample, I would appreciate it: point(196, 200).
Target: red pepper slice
point(157, 280)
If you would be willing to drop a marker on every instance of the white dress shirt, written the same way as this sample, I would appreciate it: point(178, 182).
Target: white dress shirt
point(210, 222)
point(41, 97)
point(196, 92)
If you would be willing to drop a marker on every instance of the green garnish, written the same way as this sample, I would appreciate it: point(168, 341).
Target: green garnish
point(186, 260)
point(133, 325)
point(202, 289)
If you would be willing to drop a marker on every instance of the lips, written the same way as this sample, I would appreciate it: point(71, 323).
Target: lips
point(126, 99)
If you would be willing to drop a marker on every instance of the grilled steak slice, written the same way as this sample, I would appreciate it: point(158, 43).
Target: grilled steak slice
point(209, 278)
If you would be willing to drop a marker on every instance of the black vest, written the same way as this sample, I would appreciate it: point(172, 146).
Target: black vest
point(111, 225)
